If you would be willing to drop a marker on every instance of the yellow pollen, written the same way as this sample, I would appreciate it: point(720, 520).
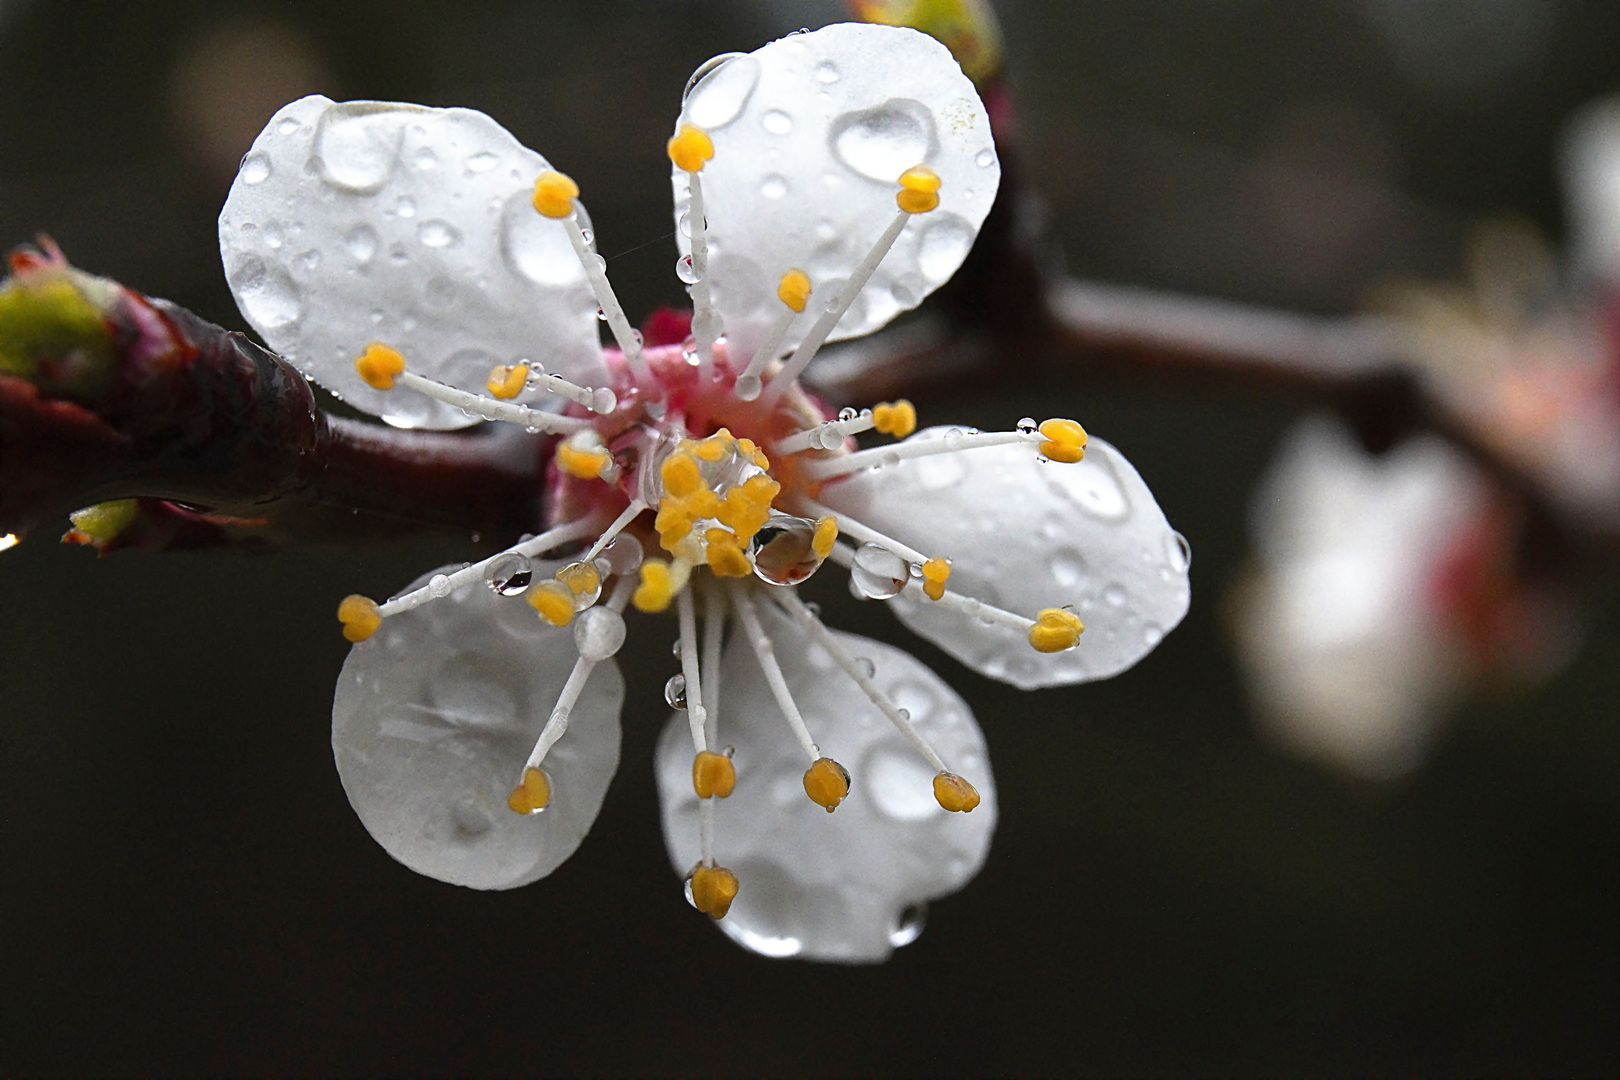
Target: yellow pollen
point(657, 587)
point(713, 890)
point(794, 289)
point(713, 775)
point(554, 601)
point(691, 148)
point(715, 447)
point(747, 506)
point(506, 381)
point(826, 533)
point(532, 795)
point(725, 555)
point(379, 366)
point(1055, 629)
point(1065, 440)
point(359, 617)
point(554, 194)
point(827, 783)
point(897, 418)
point(582, 578)
point(680, 475)
point(105, 520)
point(935, 573)
point(919, 190)
point(954, 793)
point(584, 464)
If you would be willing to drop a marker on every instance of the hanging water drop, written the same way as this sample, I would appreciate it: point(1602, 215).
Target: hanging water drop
point(783, 552)
point(439, 586)
point(509, 574)
point(623, 553)
point(686, 271)
point(598, 633)
point(878, 573)
point(908, 926)
point(675, 692)
point(848, 413)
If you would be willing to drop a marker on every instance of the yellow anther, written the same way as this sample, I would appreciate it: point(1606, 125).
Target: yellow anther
point(506, 381)
point(1065, 440)
point(749, 449)
point(827, 783)
point(582, 463)
point(955, 793)
point(554, 601)
point(582, 578)
point(713, 890)
point(897, 418)
point(725, 554)
point(794, 289)
point(747, 506)
point(359, 616)
point(554, 194)
point(713, 775)
point(1055, 629)
point(532, 795)
point(105, 520)
point(379, 366)
point(690, 148)
point(935, 573)
point(657, 587)
point(681, 475)
point(919, 190)
point(826, 533)
point(715, 447)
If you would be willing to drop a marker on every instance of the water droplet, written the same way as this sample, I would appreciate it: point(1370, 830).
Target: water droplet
point(437, 234)
point(578, 576)
point(598, 633)
point(1179, 552)
point(909, 923)
point(686, 271)
point(864, 665)
point(1068, 567)
point(603, 400)
point(1114, 595)
point(748, 387)
point(288, 126)
point(361, 242)
point(357, 145)
point(535, 246)
point(1027, 426)
point(510, 574)
point(944, 244)
point(1093, 484)
point(425, 159)
point(469, 817)
point(827, 72)
point(777, 122)
point(783, 552)
point(878, 573)
point(719, 89)
point(601, 315)
point(273, 234)
point(439, 586)
point(623, 553)
point(587, 236)
point(773, 186)
point(268, 296)
point(953, 437)
point(1151, 635)
point(883, 142)
point(255, 168)
point(376, 320)
point(675, 692)
point(406, 207)
point(482, 162)
point(985, 158)
point(310, 259)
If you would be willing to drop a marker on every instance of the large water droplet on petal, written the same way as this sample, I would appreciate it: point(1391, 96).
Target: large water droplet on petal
point(357, 145)
point(885, 141)
point(268, 296)
point(255, 168)
point(536, 246)
point(720, 95)
point(944, 244)
point(878, 573)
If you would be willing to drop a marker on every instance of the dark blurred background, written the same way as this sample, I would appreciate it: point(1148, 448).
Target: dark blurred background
point(186, 890)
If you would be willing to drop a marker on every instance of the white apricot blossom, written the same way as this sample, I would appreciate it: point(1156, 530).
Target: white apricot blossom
point(431, 270)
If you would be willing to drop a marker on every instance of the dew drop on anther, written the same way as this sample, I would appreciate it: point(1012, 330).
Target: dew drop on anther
point(509, 574)
point(877, 572)
point(675, 692)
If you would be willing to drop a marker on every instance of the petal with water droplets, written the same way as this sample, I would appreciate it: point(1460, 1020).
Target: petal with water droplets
point(368, 221)
point(433, 719)
point(1024, 535)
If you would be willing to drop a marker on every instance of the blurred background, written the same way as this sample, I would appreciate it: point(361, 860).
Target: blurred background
point(1170, 891)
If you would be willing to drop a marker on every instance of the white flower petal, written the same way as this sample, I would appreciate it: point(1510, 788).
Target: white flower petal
point(433, 719)
point(811, 134)
point(371, 221)
point(844, 886)
point(1023, 535)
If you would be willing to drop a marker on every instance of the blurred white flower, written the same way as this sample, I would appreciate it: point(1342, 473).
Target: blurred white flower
point(431, 270)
